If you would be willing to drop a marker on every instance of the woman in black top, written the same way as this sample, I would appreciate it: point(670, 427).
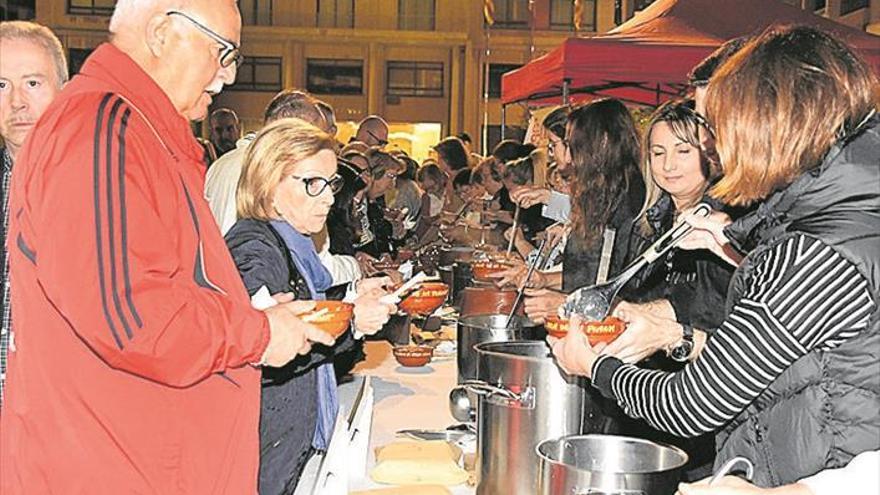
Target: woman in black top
point(602, 147)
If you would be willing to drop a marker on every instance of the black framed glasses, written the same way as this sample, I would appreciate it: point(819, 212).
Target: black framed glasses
point(230, 53)
point(316, 185)
point(382, 142)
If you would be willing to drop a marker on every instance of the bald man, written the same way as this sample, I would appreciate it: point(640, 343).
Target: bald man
point(136, 348)
point(373, 131)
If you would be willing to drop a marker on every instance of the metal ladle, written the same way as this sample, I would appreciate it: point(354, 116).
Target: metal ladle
point(593, 303)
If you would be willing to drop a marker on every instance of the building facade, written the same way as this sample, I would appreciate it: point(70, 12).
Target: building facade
point(427, 66)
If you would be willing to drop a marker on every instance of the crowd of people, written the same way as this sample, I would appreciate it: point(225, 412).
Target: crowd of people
point(134, 250)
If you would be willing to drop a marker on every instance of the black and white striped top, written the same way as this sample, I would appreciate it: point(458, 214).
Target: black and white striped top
point(802, 296)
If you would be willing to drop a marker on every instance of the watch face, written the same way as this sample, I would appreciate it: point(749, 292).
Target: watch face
point(682, 352)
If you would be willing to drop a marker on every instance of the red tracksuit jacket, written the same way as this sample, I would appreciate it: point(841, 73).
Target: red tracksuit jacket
point(132, 329)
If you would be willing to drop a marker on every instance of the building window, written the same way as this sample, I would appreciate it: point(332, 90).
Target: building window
point(258, 74)
point(817, 6)
point(849, 6)
point(415, 79)
point(495, 73)
point(17, 10)
point(512, 14)
point(416, 15)
point(336, 13)
point(76, 57)
point(90, 7)
point(256, 12)
point(334, 77)
point(562, 15)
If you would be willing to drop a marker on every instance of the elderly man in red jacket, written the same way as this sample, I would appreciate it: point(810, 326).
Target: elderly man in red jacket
point(132, 369)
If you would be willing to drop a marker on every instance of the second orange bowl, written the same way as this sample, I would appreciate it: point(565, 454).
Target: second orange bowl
point(337, 318)
point(596, 331)
point(428, 297)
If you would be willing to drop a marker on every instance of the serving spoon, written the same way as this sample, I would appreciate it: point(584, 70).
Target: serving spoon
point(593, 303)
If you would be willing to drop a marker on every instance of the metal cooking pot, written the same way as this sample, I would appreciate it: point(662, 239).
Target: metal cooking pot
point(608, 464)
point(487, 300)
point(473, 330)
point(523, 399)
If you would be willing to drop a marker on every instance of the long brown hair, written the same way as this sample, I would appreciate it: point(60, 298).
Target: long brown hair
point(779, 104)
point(605, 153)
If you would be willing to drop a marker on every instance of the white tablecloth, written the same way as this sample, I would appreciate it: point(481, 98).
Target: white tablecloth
point(404, 398)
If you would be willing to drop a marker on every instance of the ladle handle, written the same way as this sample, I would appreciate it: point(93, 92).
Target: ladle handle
point(728, 466)
point(525, 283)
point(670, 239)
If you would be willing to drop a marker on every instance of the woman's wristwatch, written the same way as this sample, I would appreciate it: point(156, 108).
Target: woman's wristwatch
point(683, 350)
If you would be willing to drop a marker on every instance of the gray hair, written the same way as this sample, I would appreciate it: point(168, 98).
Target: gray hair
point(40, 35)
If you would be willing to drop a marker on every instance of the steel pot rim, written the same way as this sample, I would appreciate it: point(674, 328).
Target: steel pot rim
point(481, 350)
point(544, 458)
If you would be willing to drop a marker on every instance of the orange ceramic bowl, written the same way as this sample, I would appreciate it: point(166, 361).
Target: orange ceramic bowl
point(482, 270)
point(596, 331)
point(413, 356)
point(335, 321)
point(428, 297)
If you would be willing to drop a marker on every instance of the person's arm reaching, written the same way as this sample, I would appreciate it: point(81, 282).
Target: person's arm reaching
point(803, 296)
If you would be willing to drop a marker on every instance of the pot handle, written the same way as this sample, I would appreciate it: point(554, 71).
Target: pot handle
point(480, 387)
point(728, 467)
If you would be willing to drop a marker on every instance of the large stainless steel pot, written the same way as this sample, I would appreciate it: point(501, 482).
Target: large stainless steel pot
point(590, 464)
point(473, 330)
point(523, 399)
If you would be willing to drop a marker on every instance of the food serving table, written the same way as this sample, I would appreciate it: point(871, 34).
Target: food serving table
point(405, 398)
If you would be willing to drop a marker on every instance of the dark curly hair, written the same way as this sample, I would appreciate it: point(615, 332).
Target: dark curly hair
point(605, 154)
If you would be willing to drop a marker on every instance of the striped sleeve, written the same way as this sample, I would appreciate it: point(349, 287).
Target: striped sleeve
point(802, 296)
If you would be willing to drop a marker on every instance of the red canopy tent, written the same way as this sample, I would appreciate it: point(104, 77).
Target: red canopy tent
point(646, 60)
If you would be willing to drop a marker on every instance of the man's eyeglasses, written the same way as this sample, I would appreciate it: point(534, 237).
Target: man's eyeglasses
point(381, 142)
point(316, 185)
point(230, 53)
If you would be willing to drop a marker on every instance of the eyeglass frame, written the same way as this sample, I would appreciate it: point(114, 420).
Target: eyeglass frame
point(229, 49)
point(336, 179)
point(382, 142)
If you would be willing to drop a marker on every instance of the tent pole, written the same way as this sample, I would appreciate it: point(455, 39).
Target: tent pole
point(503, 120)
point(565, 84)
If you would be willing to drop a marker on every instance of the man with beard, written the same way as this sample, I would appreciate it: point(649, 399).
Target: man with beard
point(225, 130)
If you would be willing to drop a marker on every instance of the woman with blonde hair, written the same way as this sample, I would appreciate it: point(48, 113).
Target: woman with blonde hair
point(284, 195)
point(686, 286)
point(789, 379)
